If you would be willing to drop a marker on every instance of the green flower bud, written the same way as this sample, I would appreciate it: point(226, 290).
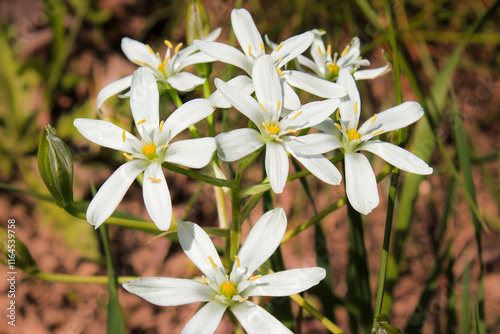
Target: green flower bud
point(14, 252)
point(56, 167)
point(197, 21)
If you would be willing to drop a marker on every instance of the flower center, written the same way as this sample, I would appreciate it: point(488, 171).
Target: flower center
point(228, 290)
point(273, 129)
point(353, 134)
point(149, 151)
point(334, 70)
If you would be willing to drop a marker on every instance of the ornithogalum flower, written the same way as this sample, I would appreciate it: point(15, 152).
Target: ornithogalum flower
point(272, 132)
point(253, 46)
point(222, 291)
point(360, 181)
point(147, 154)
point(167, 70)
point(326, 67)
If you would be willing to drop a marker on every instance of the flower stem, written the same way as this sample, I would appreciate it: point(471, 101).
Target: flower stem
point(210, 118)
point(63, 278)
point(315, 313)
point(235, 229)
point(178, 102)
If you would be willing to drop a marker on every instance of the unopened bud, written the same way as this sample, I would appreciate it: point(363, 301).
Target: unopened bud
point(197, 21)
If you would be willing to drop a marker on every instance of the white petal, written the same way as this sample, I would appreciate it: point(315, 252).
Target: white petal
point(138, 52)
point(186, 115)
point(112, 89)
point(318, 53)
point(328, 126)
point(352, 54)
point(206, 320)
point(304, 61)
point(166, 291)
point(157, 197)
point(391, 119)
point(185, 81)
point(226, 54)
point(372, 73)
point(320, 167)
point(213, 35)
point(292, 101)
point(276, 166)
point(263, 239)
point(361, 184)
point(199, 248)
point(314, 85)
point(285, 283)
point(350, 106)
point(108, 135)
point(255, 320)
point(144, 99)
point(112, 191)
point(239, 143)
point(315, 143)
point(246, 104)
point(192, 153)
point(246, 32)
point(196, 58)
point(267, 86)
point(397, 156)
point(293, 47)
point(270, 43)
point(241, 82)
point(313, 113)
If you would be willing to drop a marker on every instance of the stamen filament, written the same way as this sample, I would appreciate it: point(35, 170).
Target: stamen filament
point(141, 121)
point(265, 126)
point(335, 56)
point(320, 53)
point(329, 50)
point(140, 63)
point(161, 125)
point(167, 43)
point(279, 71)
point(123, 135)
point(203, 279)
point(243, 299)
point(167, 59)
point(254, 278)
point(128, 156)
point(178, 47)
point(212, 262)
point(154, 180)
point(374, 118)
point(279, 47)
point(345, 50)
point(264, 109)
point(300, 112)
point(378, 132)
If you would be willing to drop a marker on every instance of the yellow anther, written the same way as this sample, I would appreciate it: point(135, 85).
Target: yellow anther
point(291, 131)
point(203, 279)
point(123, 135)
point(359, 58)
point(158, 55)
point(140, 63)
point(212, 262)
point(243, 299)
point(338, 126)
point(378, 132)
point(161, 67)
point(319, 50)
point(165, 146)
point(254, 278)
point(262, 47)
point(329, 50)
point(178, 47)
point(279, 139)
point(355, 107)
point(345, 50)
point(338, 114)
point(279, 47)
point(300, 112)
point(279, 105)
point(353, 134)
point(154, 180)
point(280, 60)
point(279, 71)
point(263, 109)
point(141, 121)
point(161, 125)
point(374, 118)
point(167, 43)
point(249, 50)
point(149, 49)
point(334, 70)
point(167, 59)
point(237, 261)
point(128, 156)
point(149, 151)
point(273, 129)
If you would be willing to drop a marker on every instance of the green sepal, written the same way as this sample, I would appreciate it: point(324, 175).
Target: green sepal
point(56, 167)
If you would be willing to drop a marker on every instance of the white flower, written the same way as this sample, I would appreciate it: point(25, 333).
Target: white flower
point(273, 132)
point(327, 68)
point(360, 181)
point(222, 291)
point(149, 152)
point(168, 70)
point(252, 45)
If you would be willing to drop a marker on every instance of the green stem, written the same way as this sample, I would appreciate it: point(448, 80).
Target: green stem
point(315, 313)
point(63, 278)
point(210, 119)
point(235, 229)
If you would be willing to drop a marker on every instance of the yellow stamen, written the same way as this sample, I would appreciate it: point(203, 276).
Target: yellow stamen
point(243, 299)
point(265, 126)
point(254, 278)
point(359, 58)
point(291, 131)
point(334, 70)
point(128, 156)
point(249, 50)
point(278, 139)
point(279, 47)
point(338, 126)
point(161, 125)
point(320, 53)
point(374, 118)
point(264, 109)
point(140, 63)
point(141, 121)
point(329, 49)
point(165, 146)
point(338, 114)
point(378, 132)
point(167, 59)
point(262, 47)
point(355, 107)
point(300, 112)
point(353, 134)
point(203, 279)
point(345, 50)
point(278, 107)
point(154, 180)
point(178, 47)
point(167, 43)
point(158, 54)
point(273, 129)
point(279, 71)
point(149, 151)
point(149, 49)
point(335, 55)
point(279, 60)
point(123, 135)
point(212, 262)
point(237, 262)
point(228, 289)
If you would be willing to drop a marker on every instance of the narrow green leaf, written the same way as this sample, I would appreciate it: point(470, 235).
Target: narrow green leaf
point(205, 178)
point(465, 312)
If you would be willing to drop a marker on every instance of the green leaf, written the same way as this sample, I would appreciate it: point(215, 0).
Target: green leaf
point(14, 251)
point(245, 162)
point(384, 327)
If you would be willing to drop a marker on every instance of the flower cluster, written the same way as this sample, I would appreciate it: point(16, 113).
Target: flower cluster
point(279, 122)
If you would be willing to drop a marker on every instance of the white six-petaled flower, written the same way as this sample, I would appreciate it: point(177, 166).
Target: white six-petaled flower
point(222, 291)
point(272, 132)
point(147, 154)
point(359, 178)
point(168, 70)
